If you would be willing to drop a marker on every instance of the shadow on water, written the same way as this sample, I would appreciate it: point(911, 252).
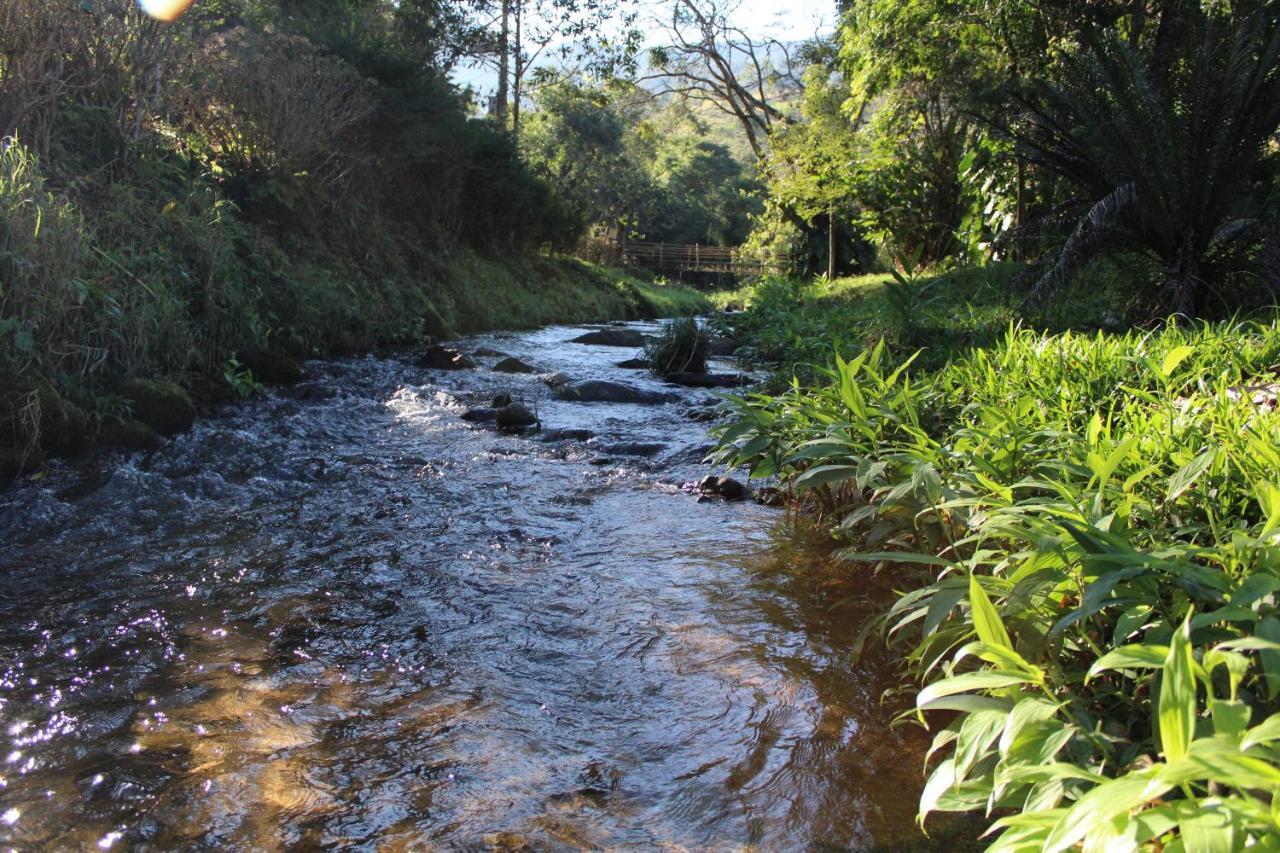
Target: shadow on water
point(341, 617)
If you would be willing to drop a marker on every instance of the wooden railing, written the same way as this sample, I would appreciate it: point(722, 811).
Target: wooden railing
point(692, 257)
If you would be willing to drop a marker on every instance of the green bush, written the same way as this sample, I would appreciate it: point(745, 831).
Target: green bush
point(681, 347)
point(1086, 529)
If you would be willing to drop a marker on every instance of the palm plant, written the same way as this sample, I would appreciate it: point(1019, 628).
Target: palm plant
point(1170, 148)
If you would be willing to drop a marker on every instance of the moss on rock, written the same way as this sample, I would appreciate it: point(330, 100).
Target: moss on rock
point(272, 368)
point(161, 404)
point(129, 434)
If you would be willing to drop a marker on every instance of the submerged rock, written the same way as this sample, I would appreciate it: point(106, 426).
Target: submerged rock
point(556, 380)
point(611, 337)
point(551, 435)
point(489, 352)
point(707, 380)
point(632, 448)
point(480, 416)
point(313, 392)
point(161, 404)
point(129, 434)
point(513, 365)
point(272, 368)
point(445, 358)
point(634, 364)
point(598, 391)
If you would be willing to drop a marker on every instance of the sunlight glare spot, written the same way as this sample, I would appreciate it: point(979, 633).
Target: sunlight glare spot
point(165, 10)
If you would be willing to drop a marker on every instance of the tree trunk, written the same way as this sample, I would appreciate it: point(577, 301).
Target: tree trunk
point(831, 244)
point(519, 75)
point(504, 67)
point(1179, 288)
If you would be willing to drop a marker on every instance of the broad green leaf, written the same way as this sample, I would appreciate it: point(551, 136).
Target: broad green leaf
point(985, 680)
point(1230, 717)
point(1177, 705)
point(986, 619)
point(1265, 732)
point(1135, 656)
point(1209, 828)
point(1187, 475)
point(1176, 356)
point(823, 475)
point(1026, 712)
point(1099, 805)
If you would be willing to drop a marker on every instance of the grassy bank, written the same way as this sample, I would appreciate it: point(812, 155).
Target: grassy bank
point(114, 302)
point(1082, 526)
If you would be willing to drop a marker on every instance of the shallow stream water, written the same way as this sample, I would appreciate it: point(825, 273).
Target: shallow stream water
point(339, 616)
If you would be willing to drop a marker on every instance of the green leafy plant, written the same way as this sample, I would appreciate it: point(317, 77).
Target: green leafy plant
point(240, 379)
point(1087, 533)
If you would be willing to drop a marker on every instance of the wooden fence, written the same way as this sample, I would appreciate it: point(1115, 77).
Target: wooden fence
point(681, 257)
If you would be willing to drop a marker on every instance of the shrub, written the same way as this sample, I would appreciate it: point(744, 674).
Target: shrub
point(1086, 529)
point(681, 347)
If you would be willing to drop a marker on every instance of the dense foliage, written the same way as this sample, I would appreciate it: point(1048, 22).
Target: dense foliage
point(633, 168)
point(1084, 531)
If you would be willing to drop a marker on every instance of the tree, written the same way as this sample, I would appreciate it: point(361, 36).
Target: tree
point(1170, 147)
point(710, 60)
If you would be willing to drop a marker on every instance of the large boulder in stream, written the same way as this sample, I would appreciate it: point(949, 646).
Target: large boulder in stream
point(161, 404)
point(599, 391)
point(611, 337)
point(445, 358)
point(634, 364)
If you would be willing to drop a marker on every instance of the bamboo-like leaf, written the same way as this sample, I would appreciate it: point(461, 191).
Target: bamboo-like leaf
point(986, 619)
point(1176, 356)
point(1177, 704)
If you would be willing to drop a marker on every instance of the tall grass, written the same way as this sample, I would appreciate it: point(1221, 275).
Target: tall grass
point(1087, 533)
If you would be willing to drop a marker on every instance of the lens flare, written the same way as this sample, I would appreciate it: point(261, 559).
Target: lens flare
point(165, 10)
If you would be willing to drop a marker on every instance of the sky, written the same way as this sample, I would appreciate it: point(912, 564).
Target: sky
point(785, 20)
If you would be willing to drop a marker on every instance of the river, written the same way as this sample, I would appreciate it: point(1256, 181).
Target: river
point(340, 617)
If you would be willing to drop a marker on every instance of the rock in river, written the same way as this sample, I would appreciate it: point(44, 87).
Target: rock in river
point(612, 338)
point(634, 364)
point(161, 404)
point(445, 358)
point(273, 368)
point(724, 487)
point(515, 416)
point(130, 434)
point(513, 365)
point(598, 391)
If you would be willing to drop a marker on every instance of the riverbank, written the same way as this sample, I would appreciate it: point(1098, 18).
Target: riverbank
point(1081, 526)
point(133, 398)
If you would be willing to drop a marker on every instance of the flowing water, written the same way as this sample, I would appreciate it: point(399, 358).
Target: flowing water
point(339, 616)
